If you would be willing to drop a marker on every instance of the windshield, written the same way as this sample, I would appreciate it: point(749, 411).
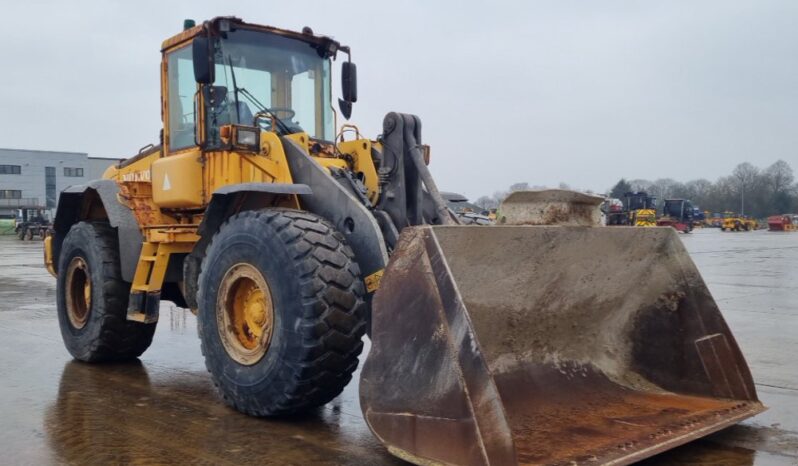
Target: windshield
point(282, 78)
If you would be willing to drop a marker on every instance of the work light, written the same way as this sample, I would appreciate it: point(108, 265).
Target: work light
point(247, 138)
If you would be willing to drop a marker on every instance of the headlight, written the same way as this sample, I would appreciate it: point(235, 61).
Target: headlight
point(247, 138)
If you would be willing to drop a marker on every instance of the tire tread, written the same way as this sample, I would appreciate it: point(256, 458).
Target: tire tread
point(333, 319)
point(118, 338)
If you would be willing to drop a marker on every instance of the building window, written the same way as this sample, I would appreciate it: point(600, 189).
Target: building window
point(10, 169)
point(74, 172)
point(49, 186)
point(10, 194)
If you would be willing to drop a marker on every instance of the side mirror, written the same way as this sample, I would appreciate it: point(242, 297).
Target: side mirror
point(202, 54)
point(349, 81)
point(348, 88)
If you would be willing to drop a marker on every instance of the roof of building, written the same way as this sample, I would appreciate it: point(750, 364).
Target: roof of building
point(44, 151)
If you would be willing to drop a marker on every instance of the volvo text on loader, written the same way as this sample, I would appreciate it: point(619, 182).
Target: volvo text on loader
point(513, 344)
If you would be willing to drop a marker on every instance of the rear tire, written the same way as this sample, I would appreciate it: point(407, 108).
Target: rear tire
point(92, 298)
point(303, 353)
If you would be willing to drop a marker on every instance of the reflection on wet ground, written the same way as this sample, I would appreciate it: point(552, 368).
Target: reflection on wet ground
point(163, 409)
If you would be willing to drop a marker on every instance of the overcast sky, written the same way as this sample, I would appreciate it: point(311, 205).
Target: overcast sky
point(544, 92)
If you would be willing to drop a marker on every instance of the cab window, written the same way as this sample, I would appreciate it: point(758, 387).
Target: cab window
point(182, 87)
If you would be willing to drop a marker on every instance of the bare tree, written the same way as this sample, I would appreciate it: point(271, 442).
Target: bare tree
point(665, 188)
point(640, 185)
point(781, 190)
point(698, 190)
point(745, 174)
point(487, 202)
point(779, 176)
point(620, 189)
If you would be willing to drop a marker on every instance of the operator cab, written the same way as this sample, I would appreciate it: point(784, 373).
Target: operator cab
point(250, 76)
point(640, 200)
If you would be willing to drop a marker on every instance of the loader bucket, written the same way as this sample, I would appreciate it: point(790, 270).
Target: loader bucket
point(547, 345)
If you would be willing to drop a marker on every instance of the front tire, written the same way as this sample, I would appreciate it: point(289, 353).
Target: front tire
point(281, 311)
point(92, 298)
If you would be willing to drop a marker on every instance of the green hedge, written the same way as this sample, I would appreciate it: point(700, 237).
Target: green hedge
point(6, 226)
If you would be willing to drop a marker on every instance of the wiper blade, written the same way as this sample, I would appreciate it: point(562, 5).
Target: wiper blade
point(261, 108)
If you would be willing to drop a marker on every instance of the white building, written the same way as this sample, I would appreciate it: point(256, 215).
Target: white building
point(33, 178)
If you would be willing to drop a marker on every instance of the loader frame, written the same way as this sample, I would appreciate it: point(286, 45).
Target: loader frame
point(167, 204)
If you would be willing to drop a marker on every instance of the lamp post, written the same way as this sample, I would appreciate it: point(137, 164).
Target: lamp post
point(742, 200)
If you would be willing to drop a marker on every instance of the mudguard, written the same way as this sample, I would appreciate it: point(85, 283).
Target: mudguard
point(336, 204)
point(221, 200)
point(221, 206)
point(68, 212)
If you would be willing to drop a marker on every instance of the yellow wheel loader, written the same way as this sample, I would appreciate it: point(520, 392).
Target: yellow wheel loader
point(513, 344)
point(734, 222)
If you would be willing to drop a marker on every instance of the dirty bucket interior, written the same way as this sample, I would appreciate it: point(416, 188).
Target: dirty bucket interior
point(548, 345)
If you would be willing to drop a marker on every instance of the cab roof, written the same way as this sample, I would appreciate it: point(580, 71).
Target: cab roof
point(212, 25)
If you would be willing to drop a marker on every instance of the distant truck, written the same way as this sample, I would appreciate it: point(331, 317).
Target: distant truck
point(31, 223)
point(679, 214)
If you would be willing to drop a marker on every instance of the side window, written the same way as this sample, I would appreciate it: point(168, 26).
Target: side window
point(303, 100)
point(182, 88)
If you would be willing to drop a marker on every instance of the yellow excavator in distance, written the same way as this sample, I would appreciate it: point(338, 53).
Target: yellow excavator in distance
point(513, 344)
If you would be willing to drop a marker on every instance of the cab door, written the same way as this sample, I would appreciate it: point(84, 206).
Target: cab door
point(177, 180)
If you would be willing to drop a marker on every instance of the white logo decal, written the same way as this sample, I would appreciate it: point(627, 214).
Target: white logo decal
point(142, 176)
point(166, 184)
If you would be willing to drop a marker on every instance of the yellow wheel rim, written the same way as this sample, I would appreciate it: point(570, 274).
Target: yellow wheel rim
point(245, 314)
point(78, 292)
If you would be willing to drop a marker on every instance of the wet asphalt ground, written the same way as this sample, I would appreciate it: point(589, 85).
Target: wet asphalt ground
point(164, 410)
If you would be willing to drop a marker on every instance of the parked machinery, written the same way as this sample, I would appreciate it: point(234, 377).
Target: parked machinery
point(466, 212)
point(679, 214)
point(734, 222)
point(637, 209)
point(615, 212)
point(715, 221)
point(699, 217)
point(786, 222)
point(731, 222)
point(641, 209)
point(31, 223)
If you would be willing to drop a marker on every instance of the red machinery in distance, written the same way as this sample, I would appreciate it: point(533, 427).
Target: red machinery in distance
point(786, 222)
